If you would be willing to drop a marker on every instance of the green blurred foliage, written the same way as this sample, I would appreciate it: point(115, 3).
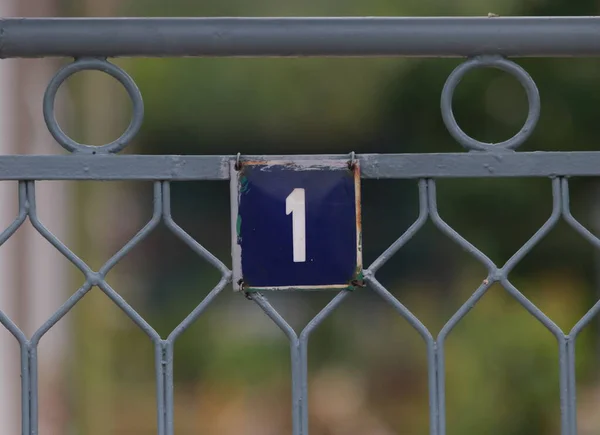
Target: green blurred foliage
point(501, 363)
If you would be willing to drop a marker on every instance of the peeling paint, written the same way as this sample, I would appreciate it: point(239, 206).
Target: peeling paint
point(243, 180)
point(238, 228)
point(357, 280)
point(300, 165)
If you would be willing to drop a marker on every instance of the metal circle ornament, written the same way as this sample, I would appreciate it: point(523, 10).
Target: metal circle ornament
point(98, 65)
point(499, 62)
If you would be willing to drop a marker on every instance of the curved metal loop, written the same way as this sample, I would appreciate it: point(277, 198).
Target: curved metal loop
point(413, 320)
point(277, 318)
point(181, 234)
point(407, 235)
point(589, 237)
point(454, 235)
point(571, 220)
point(103, 65)
point(49, 236)
point(196, 312)
point(542, 232)
point(499, 62)
point(140, 235)
point(60, 313)
point(129, 311)
point(12, 328)
point(322, 315)
point(532, 308)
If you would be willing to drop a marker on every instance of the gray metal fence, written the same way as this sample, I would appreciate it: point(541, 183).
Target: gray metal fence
point(486, 42)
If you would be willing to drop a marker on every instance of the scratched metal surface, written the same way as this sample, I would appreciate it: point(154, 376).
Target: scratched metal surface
point(486, 43)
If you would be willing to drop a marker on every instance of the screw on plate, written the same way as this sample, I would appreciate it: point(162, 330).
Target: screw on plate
point(358, 283)
point(238, 163)
point(243, 285)
point(352, 162)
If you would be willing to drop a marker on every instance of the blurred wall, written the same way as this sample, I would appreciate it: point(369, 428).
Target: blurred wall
point(9, 385)
point(34, 278)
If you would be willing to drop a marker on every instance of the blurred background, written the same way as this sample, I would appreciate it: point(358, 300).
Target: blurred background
point(367, 365)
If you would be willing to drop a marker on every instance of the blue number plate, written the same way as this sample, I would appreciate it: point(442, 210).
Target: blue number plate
point(296, 225)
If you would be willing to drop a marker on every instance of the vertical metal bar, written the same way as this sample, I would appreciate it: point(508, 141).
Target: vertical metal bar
point(296, 359)
point(168, 344)
point(25, 389)
point(33, 389)
point(432, 380)
point(297, 388)
point(441, 386)
point(563, 366)
point(431, 347)
point(586, 319)
point(160, 386)
point(169, 402)
point(404, 312)
point(11, 326)
point(33, 346)
point(464, 309)
point(303, 345)
point(439, 348)
point(571, 383)
point(304, 383)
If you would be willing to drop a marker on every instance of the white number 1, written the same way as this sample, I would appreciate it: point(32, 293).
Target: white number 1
point(296, 205)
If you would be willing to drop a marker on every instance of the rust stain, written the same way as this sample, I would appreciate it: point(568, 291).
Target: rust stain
point(253, 162)
point(356, 173)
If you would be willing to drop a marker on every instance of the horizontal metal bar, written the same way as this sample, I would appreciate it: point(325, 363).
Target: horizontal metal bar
point(368, 36)
point(377, 166)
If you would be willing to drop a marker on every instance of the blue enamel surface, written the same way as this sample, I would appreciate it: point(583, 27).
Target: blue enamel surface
point(265, 231)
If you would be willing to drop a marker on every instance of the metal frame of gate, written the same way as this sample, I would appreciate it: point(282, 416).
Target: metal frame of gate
point(485, 42)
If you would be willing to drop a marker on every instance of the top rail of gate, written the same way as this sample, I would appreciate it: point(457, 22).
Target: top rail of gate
point(485, 41)
point(280, 37)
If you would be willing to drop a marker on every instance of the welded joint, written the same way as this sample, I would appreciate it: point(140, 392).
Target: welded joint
point(94, 278)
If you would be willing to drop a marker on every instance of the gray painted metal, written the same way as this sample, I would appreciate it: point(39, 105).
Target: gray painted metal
point(488, 37)
point(494, 61)
point(110, 37)
point(373, 166)
point(99, 65)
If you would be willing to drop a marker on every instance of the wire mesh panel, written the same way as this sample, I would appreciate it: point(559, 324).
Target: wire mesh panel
point(486, 43)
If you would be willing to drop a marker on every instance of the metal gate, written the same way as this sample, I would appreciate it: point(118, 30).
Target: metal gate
point(484, 42)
